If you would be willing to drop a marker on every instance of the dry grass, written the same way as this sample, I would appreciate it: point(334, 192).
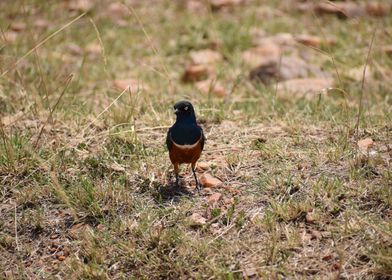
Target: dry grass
point(85, 180)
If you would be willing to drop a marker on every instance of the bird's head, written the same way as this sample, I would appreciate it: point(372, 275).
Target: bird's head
point(184, 109)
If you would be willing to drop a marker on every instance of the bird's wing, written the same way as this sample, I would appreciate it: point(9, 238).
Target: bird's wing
point(169, 142)
point(203, 138)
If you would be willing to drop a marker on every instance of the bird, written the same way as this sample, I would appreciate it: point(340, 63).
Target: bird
point(185, 139)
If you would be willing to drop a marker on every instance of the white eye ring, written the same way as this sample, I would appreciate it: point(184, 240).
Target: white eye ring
point(186, 108)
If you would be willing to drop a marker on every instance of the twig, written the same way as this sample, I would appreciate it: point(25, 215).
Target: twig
point(16, 227)
point(40, 44)
point(49, 118)
point(363, 81)
point(133, 12)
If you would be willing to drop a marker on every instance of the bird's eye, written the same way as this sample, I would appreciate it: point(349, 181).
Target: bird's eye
point(186, 108)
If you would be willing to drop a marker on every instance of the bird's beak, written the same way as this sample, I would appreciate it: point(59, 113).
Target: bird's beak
point(175, 111)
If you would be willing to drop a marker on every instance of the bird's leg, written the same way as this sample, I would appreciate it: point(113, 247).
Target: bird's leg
point(176, 172)
point(194, 174)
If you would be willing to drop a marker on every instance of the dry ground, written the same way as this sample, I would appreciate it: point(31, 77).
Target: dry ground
point(85, 182)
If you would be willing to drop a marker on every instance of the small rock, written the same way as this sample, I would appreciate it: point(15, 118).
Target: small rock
point(206, 191)
point(280, 39)
point(264, 55)
point(357, 73)
point(74, 49)
point(41, 23)
point(293, 67)
point(18, 26)
point(387, 49)
point(345, 9)
point(217, 5)
point(129, 84)
point(195, 6)
point(197, 220)
point(365, 144)
point(289, 67)
point(206, 56)
point(80, 5)
point(309, 40)
point(313, 41)
point(207, 180)
point(304, 86)
point(202, 166)
point(378, 9)
point(214, 198)
point(266, 73)
point(117, 10)
point(10, 36)
point(194, 73)
point(94, 48)
point(211, 87)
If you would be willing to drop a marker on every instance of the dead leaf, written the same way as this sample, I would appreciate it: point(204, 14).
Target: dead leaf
point(365, 144)
point(208, 181)
point(211, 86)
point(197, 220)
point(214, 198)
point(205, 56)
point(194, 73)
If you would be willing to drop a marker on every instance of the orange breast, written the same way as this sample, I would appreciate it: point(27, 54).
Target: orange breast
point(185, 155)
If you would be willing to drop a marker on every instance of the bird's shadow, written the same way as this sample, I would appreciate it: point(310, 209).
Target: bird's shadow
point(170, 192)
